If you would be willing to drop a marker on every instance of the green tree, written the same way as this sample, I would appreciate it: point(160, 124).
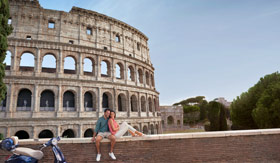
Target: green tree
point(259, 106)
point(1, 136)
point(190, 108)
point(217, 116)
point(5, 30)
point(203, 109)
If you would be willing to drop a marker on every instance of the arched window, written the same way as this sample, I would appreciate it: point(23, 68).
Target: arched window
point(178, 122)
point(22, 134)
point(170, 120)
point(7, 60)
point(105, 68)
point(46, 134)
point(119, 71)
point(143, 104)
point(155, 104)
point(88, 67)
point(47, 101)
point(68, 134)
point(107, 100)
point(121, 102)
point(88, 101)
point(49, 64)
point(27, 62)
point(147, 78)
point(69, 65)
point(3, 104)
point(24, 100)
point(118, 39)
point(88, 133)
point(150, 105)
point(145, 130)
point(140, 76)
point(133, 101)
point(69, 101)
point(130, 73)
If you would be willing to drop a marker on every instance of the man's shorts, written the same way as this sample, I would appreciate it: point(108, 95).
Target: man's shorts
point(104, 134)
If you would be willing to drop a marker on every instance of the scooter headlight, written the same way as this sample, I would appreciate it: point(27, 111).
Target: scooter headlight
point(7, 144)
point(54, 141)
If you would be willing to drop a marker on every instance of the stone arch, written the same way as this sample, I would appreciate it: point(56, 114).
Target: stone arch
point(47, 101)
point(143, 104)
point(88, 66)
point(69, 133)
point(145, 130)
point(131, 73)
point(88, 133)
point(122, 102)
point(22, 134)
point(8, 60)
point(170, 120)
point(152, 129)
point(46, 134)
point(105, 68)
point(133, 103)
point(69, 101)
point(49, 63)
point(140, 75)
point(147, 78)
point(150, 104)
point(24, 100)
point(90, 101)
point(69, 61)
point(119, 71)
point(27, 61)
point(107, 100)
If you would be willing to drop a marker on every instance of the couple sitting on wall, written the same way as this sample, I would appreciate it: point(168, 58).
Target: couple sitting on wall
point(107, 127)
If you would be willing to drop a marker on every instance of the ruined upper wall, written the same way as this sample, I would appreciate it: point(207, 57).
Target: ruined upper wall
point(79, 26)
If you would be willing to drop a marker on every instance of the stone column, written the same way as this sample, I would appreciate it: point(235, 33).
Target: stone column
point(99, 102)
point(35, 102)
point(58, 130)
point(14, 59)
point(59, 106)
point(37, 62)
point(80, 133)
point(10, 101)
point(115, 97)
point(60, 67)
point(81, 101)
point(128, 104)
point(125, 72)
point(98, 68)
point(113, 70)
point(139, 104)
point(80, 65)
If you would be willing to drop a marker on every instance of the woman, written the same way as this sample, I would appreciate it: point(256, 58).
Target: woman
point(120, 130)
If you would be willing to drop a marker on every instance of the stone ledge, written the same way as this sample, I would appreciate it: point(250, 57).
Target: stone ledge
point(213, 134)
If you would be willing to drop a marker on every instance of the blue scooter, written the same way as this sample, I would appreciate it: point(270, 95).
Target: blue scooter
point(28, 155)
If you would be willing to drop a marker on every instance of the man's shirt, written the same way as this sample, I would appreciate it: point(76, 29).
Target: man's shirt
point(102, 125)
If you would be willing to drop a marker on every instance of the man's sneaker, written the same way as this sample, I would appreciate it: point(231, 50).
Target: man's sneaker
point(112, 155)
point(98, 157)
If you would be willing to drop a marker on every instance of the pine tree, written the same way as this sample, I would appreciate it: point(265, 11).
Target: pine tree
point(5, 30)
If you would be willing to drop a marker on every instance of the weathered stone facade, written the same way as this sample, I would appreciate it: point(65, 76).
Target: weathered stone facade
point(172, 117)
point(76, 98)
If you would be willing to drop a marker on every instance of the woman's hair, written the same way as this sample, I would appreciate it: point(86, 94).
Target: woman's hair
point(114, 113)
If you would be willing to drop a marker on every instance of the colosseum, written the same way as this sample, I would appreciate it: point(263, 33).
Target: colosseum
point(80, 62)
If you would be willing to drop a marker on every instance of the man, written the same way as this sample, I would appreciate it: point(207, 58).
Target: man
point(102, 129)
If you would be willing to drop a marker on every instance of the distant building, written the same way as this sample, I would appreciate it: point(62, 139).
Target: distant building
point(223, 101)
point(171, 117)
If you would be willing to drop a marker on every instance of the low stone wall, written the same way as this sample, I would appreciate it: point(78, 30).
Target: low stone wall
point(228, 146)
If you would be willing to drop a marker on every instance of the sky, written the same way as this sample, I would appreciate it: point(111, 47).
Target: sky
point(211, 48)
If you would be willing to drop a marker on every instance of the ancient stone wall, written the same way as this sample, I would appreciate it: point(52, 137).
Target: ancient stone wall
point(228, 146)
point(59, 99)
